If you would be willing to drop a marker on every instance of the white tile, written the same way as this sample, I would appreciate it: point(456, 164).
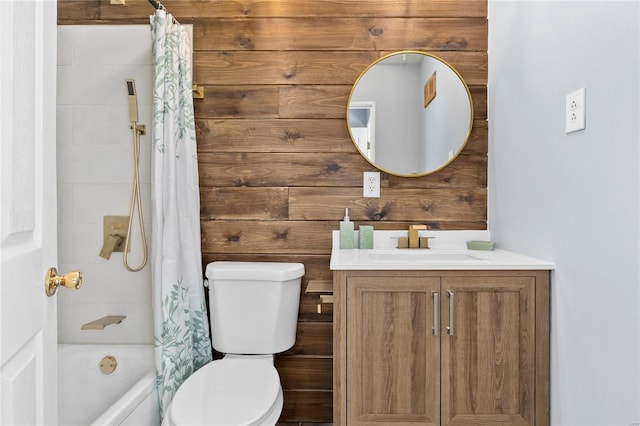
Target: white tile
point(94, 201)
point(102, 164)
point(109, 283)
point(95, 168)
point(108, 124)
point(113, 44)
point(65, 204)
point(145, 116)
point(137, 328)
point(64, 126)
point(103, 84)
point(101, 124)
point(87, 204)
point(80, 243)
point(65, 44)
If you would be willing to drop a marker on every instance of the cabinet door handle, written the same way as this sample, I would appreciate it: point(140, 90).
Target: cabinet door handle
point(451, 312)
point(436, 315)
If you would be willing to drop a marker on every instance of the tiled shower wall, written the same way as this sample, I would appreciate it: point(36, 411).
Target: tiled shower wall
point(95, 174)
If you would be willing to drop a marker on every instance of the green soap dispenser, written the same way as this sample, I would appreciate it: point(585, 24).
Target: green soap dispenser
point(347, 236)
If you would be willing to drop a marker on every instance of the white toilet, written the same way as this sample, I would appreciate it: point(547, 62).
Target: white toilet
point(254, 314)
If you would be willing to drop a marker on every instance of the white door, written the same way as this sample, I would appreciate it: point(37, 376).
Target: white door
point(28, 364)
point(364, 131)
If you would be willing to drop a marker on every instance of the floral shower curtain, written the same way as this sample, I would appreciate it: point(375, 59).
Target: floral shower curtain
point(180, 317)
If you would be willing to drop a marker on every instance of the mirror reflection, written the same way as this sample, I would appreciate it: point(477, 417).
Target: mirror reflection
point(410, 113)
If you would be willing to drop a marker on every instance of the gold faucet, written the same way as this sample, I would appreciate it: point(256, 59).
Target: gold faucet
point(101, 323)
point(414, 239)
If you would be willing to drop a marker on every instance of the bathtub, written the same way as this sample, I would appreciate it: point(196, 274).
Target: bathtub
point(87, 396)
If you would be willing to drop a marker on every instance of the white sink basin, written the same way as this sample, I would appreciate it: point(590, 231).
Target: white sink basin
point(421, 256)
point(449, 252)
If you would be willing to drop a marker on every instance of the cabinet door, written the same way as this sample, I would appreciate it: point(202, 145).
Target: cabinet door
point(393, 354)
point(488, 363)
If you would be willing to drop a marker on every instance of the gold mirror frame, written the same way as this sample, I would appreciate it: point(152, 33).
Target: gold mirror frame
point(427, 93)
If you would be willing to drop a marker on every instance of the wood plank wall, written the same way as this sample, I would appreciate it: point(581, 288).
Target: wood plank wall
point(277, 166)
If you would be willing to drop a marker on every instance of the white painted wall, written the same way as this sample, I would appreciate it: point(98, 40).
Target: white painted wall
point(573, 199)
point(95, 172)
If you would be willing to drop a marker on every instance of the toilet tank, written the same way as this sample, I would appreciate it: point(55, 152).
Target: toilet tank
point(254, 306)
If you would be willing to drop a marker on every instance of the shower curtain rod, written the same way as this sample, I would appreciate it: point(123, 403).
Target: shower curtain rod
point(198, 91)
point(159, 6)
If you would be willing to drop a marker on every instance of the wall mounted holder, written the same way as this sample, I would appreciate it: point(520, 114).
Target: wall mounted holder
point(324, 288)
point(197, 91)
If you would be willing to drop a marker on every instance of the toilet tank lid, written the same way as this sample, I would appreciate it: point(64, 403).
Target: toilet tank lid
point(259, 271)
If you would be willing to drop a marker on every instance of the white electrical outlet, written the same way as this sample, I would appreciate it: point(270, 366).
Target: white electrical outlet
point(371, 185)
point(575, 111)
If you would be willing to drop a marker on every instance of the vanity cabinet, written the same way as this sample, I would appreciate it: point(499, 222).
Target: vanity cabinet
point(441, 347)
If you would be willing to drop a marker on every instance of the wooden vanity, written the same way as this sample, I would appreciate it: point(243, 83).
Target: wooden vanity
point(430, 345)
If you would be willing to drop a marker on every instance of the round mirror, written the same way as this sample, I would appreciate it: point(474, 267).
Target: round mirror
point(409, 113)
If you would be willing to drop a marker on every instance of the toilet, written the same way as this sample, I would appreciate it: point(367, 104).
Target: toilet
point(254, 315)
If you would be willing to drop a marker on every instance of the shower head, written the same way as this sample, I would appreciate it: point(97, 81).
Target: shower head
point(133, 101)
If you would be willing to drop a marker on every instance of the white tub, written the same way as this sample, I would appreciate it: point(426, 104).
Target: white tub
point(86, 396)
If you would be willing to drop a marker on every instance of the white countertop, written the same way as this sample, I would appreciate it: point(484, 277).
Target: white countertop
point(448, 252)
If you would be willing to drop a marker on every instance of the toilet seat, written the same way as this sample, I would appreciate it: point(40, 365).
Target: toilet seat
point(230, 391)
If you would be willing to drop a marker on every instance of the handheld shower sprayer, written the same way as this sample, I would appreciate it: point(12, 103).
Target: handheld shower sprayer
point(133, 101)
point(138, 130)
point(133, 108)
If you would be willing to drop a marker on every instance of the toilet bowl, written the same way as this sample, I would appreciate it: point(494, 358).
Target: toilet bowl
point(253, 312)
point(233, 391)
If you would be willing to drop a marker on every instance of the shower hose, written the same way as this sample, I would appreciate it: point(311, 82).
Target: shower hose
point(135, 201)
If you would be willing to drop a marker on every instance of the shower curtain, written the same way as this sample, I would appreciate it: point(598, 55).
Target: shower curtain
point(180, 317)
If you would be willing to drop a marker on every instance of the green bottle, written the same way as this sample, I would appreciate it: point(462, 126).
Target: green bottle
point(347, 236)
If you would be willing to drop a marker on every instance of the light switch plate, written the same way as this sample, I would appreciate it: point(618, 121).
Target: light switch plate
point(575, 111)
